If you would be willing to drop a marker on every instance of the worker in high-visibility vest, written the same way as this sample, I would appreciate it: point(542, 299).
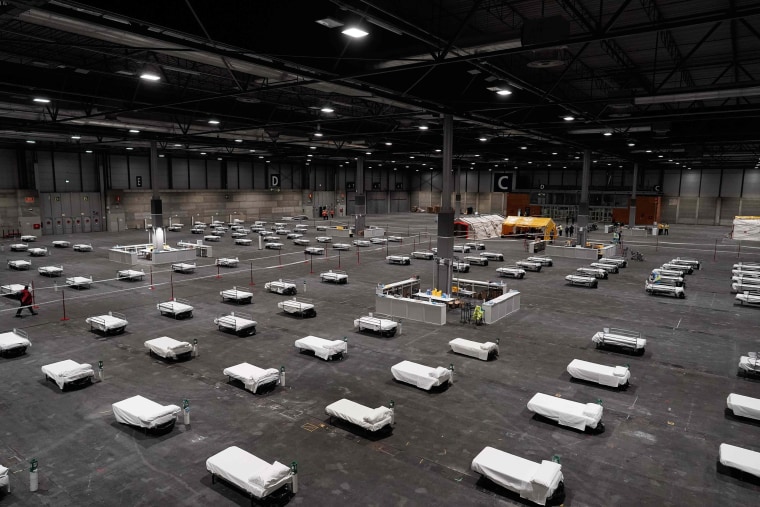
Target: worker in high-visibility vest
point(477, 315)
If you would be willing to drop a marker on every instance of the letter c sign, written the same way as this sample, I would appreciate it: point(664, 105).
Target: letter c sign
point(274, 180)
point(502, 182)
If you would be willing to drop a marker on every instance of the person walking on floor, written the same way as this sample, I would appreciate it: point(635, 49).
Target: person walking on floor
point(559, 230)
point(26, 302)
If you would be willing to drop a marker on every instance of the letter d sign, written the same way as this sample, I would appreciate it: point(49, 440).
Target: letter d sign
point(274, 180)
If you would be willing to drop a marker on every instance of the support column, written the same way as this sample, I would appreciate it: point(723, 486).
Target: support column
point(632, 207)
point(458, 190)
point(446, 216)
point(156, 211)
point(360, 200)
point(582, 223)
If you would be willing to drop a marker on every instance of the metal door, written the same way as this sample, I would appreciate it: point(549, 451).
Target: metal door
point(77, 225)
point(86, 225)
point(68, 226)
point(47, 226)
point(58, 226)
point(96, 224)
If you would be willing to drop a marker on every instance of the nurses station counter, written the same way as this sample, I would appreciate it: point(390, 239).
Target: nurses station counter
point(498, 308)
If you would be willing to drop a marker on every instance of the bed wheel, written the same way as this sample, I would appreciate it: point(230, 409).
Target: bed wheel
point(681, 295)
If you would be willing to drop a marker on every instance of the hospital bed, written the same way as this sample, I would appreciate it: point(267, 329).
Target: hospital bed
point(613, 338)
point(314, 250)
point(750, 297)
point(274, 245)
point(540, 483)
point(238, 323)
point(27, 238)
point(257, 478)
point(238, 234)
point(321, 227)
point(174, 228)
point(323, 239)
point(746, 266)
point(322, 348)
point(370, 419)
point(362, 242)
point(294, 235)
point(529, 265)
point(423, 254)
point(236, 295)
point(285, 287)
point(462, 248)
point(79, 282)
point(300, 308)
point(38, 251)
point(483, 351)
point(398, 259)
point(609, 268)
point(595, 272)
point(177, 308)
point(19, 247)
point(169, 348)
point(545, 261)
point(130, 274)
point(68, 373)
point(183, 267)
point(687, 261)
point(61, 244)
point(302, 227)
point(743, 406)
point(750, 284)
point(670, 278)
point(610, 376)
point(334, 276)
point(745, 276)
point(4, 480)
point(14, 343)
point(243, 241)
point(270, 238)
point(685, 270)
point(421, 376)
point(111, 323)
point(475, 260)
point(13, 290)
point(50, 270)
point(511, 272)
point(341, 246)
point(740, 459)
point(617, 261)
point(460, 267)
point(147, 414)
point(252, 377)
point(19, 264)
point(227, 262)
point(283, 232)
point(197, 230)
point(749, 365)
point(378, 241)
point(212, 237)
point(385, 327)
point(82, 247)
point(301, 241)
point(573, 414)
point(395, 239)
point(492, 256)
point(664, 288)
point(583, 281)
point(476, 246)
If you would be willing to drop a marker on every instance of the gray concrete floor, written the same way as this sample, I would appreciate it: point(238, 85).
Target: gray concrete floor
point(662, 435)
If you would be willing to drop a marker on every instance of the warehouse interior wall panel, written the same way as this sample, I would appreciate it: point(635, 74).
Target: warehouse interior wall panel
point(690, 183)
point(669, 211)
point(687, 210)
point(751, 186)
point(9, 169)
point(711, 183)
point(671, 182)
point(706, 210)
point(179, 171)
point(731, 184)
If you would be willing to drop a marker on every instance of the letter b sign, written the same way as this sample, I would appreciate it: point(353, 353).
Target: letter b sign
point(502, 182)
point(274, 180)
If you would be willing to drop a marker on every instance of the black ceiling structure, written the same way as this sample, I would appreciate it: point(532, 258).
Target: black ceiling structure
point(651, 81)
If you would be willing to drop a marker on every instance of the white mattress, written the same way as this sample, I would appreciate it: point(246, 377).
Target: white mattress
point(142, 412)
point(424, 377)
point(174, 307)
point(228, 262)
point(533, 481)
point(341, 246)
point(242, 241)
point(61, 244)
point(12, 288)
point(613, 376)
point(492, 255)
point(281, 287)
point(106, 322)
point(612, 338)
point(273, 246)
point(252, 376)
point(28, 238)
point(315, 250)
point(19, 247)
point(234, 322)
point(398, 259)
point(294, 306)
point(566, 412)
point(744, 406)
point(472, 348)
point(20, 264)
point(79, 281)
point(67, 371)
point(249, 473)
point(13, 339)
point(235, 294)
point(739, 458)
point(371, 419)
point(80, 247)
point(375, 324)
point(168, 347)
point(423, 255)
point(333, 276)
point(130, 274)
point(588, 281)
point(38, 251)
point(3, 476)
point(183, 267)
point(322, 348)
point(50, 270)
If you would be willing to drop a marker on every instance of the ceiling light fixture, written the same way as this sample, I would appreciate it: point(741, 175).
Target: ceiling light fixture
point(150, 74)
point(327, 109)
point(213, 122)
point(134, 131)
point(355, 32)
point(523, 147)
point(482, 139)
point(568, 118)
point(388, 143)
point(238, 140)
point(423, 127)
point(607, 134)
point(30, 141)
point(76, 137)
point(631, 144)
point(41, 100)
point(130, 148)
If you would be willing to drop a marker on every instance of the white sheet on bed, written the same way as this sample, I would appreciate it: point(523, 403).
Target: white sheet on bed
point(67, 371)
point(321, 347)
point(566, 412)
point(424, 377)
point(375, 324)
point(744, 406)
point(235, 322)
point(50, 270)
point(749, 363)
point(235, 294)
point(371, 419)
point(3, 477)
point(106, 322)
point(13, 339)
point(139, 411)
point(252, 376)
point(533, 481)
point(248, 472)
point(292, 306)
point(612, 338)
point(473, 348)
point(612, 376)
point(174, 307)
point(740, 458)
point(168, 347)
